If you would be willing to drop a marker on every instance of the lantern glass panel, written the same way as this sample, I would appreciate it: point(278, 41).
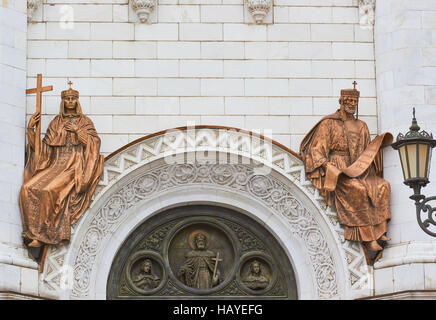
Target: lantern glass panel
point(423, 158)
point(404, 164)
point(412, 157)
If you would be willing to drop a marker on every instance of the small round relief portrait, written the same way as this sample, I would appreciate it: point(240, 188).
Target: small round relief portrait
point(146, 279)
point(256, 274)
point(145, 272)
point(256, 277)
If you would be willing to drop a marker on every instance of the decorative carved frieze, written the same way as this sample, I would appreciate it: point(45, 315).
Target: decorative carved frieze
point(143, 8)
point(265, 188)
point(32, 5)
point(367, 13)
point(141, 154)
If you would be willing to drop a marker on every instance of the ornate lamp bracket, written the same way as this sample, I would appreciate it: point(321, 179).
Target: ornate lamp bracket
point(143, 9)
point(415, 155)
point(423, 207)
point(367, 13)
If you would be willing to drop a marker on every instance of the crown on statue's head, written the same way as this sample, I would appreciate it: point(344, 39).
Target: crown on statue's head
point(70, 92)
point(350, 92)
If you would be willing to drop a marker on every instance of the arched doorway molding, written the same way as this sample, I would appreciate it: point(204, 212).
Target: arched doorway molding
point(275, 193)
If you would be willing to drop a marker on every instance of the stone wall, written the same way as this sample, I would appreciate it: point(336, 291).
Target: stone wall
point(405, 46)
point(18, 273)
point(198, 61)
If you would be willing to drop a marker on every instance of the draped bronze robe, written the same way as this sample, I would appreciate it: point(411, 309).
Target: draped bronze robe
point(362, 202)
point(57, 190)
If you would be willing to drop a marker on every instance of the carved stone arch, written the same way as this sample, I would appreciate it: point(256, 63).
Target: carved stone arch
point(272, 188)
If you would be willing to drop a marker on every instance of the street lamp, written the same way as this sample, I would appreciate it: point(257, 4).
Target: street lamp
point(414, 150)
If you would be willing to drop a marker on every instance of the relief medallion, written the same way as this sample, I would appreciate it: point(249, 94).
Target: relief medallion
point(201, 252)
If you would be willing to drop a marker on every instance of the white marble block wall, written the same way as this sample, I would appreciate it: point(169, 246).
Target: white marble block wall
point(18, 274)
point(405, 41)
point(198, 61)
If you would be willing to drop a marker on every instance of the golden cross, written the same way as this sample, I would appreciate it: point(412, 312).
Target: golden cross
point(70, 83)
point(38, 90)
point(217, 259)
point(354, 84)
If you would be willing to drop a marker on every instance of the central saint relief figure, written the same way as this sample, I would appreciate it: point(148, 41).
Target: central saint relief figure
point(200, 268)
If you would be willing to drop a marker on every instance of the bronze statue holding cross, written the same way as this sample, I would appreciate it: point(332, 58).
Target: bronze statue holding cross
point(61, 173)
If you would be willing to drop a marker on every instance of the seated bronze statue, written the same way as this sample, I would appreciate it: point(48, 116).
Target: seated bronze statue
point(344, 164)
point(58, 187)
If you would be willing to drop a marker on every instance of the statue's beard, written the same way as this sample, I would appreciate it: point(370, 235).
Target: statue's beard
point(350, 110)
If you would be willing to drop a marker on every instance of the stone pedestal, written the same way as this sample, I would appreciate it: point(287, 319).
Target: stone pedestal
point(18, 273)
point(405, 37)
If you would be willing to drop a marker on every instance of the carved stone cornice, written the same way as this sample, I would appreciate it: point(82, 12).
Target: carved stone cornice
point(143, 8)
point(367, 13)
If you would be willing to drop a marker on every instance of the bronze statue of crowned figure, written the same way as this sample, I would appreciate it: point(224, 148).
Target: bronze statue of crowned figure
point(61, 173)
point(346, 167)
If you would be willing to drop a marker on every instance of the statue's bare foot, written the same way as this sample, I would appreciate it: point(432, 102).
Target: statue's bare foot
point(35, 244)
point(385, 238)
point(374, 246)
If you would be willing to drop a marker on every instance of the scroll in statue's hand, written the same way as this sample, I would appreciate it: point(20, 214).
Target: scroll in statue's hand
point(34, 119)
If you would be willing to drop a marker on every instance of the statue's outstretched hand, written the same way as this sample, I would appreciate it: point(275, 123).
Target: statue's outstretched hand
point(71, 127)
point(34, 119)
point(328, 163)
point(216, 279)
